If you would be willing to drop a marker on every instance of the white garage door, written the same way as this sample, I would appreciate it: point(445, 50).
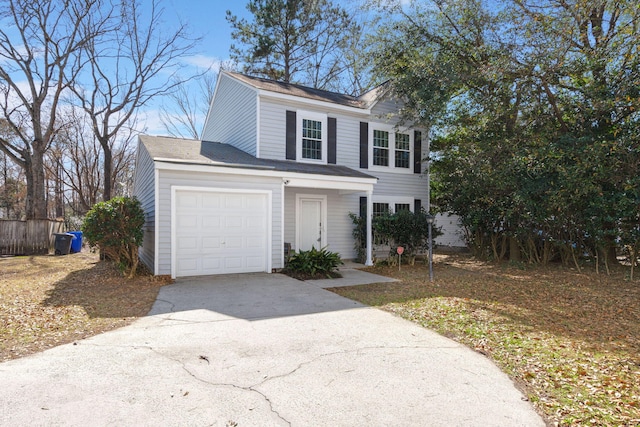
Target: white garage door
point(220, 232)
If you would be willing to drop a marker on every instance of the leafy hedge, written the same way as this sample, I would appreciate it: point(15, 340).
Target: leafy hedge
point(115, 226)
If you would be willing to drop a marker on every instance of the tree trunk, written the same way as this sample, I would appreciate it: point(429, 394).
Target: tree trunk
point(39, 202)
point(514, 250)
point(108, 166)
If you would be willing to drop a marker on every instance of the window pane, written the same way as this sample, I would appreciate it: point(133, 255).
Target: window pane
point(381, 157)
point(402, 141)
point(402, 207)
point(380, 148)
point(380, 138)
point(402, 159)
point(311, 139)
point(380, 209)
point(403, 150)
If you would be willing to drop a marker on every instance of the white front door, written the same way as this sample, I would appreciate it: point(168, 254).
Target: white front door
point(311, 222)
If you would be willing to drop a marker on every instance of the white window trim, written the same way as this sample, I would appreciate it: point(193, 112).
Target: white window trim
point(309, 115)
point(392, 148)
point(392, 200)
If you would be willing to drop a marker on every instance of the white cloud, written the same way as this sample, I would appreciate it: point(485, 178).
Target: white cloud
point(204, 62)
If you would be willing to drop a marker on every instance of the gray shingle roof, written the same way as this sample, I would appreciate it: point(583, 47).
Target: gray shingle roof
point(364, 101)
point(191, 151)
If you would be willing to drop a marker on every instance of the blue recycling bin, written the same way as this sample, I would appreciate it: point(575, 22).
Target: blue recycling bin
point(76, 243)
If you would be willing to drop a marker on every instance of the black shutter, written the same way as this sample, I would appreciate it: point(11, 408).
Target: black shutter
point(364, 145)
point(331, 140)
point(417, 205)
point(363, 207)
point(417, 152)
point(291, 136)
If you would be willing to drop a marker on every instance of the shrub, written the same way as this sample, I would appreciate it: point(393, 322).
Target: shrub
point(314, 262)
point(407, 229)
point(115, 226)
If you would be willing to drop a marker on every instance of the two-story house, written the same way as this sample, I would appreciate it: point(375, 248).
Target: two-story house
point(278, 165)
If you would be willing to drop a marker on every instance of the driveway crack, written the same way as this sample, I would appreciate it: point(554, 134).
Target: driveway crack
point(250, 389)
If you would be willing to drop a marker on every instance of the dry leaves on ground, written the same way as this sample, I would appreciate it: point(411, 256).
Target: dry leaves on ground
point(50, 300)
point(571, 340)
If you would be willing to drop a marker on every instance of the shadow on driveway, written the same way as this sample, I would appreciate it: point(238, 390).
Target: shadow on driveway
point(255, 296)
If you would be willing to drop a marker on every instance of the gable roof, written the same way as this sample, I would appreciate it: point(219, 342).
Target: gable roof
point(193, 151)
point(365, 101)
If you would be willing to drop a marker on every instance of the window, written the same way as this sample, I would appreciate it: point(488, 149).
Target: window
point(390, 149)
point(380, 148)
point(402, 207)
point(403, 150)
point(311, 139)
point(380, 209)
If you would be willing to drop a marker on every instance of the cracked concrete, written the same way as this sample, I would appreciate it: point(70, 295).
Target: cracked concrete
point(261, 350)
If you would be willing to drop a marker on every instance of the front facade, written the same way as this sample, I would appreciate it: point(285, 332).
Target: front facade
point(278, 166)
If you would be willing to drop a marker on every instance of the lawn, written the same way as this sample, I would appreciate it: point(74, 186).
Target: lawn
point(51, 300)
point(569, 340)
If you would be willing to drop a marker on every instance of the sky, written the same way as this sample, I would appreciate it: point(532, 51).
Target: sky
point(206, 19)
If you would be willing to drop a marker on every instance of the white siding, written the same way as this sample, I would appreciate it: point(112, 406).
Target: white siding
point(273, 129)
point(339, 227)
point(170, 178)
point(385, 110)
point(452, 233)
point(400, 185)
point(144, 190)
point(232, 118)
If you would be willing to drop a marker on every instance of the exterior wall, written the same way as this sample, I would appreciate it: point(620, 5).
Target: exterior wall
point(452, 234)
point(339, 226)
point(273, 129)
point(384, 111)
point(144, 190)
point(232, 116)
point(169, 178)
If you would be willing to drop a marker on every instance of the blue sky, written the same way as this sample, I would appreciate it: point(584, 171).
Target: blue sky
point(206, 19)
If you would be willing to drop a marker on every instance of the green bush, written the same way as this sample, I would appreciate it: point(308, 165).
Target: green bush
point(407, 229)
point(115, 226)
point(314, 261)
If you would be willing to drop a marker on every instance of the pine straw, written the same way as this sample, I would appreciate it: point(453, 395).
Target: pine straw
point(569, 340)
point(51, 300)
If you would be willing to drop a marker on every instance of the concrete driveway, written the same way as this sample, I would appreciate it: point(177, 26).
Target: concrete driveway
point(260, 350)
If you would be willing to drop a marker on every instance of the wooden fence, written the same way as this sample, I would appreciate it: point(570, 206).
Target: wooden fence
point(32, 237)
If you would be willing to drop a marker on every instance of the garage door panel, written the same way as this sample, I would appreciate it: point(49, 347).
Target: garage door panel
point(219, 232)
point(211, 243)
point(233, 222)
point(211, 201)
point(187, 266)
point(233, 201)
point(209, 221)
point(188, 200)
point(255, 262)
point(233, 242)
point(187, 243)
point(188, 221)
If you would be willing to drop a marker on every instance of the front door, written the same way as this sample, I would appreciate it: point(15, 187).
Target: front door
point(311, 222)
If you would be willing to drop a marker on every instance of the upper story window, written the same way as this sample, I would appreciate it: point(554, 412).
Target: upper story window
point(311, 137)
point(380, 148)
point(389, 149)
point(403, 150)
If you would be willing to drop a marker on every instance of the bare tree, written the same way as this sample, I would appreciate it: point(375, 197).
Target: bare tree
point(39, 44)
point(127, 68)
point(184, 116)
